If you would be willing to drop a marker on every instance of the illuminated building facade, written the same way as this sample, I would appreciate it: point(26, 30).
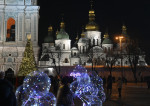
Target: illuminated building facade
point(90, 49)
point(17, 19)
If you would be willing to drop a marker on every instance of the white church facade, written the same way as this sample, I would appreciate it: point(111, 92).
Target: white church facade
point(88, 50)
point(18, 18)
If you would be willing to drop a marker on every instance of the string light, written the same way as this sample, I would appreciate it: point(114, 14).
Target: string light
point(88, 88)
point(35, 90)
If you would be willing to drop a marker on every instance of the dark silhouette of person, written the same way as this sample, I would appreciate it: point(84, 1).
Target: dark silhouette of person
point(7, 96)
point(104, 82)
point(148, 83)
point(64, 95)
point(119, 85)
point(109, 86)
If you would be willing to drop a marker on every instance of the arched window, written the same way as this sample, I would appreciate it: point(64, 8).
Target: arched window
point(93, 41)
point(10, 30)
point(89, 42)
point(126, 62)
point(105, 49)
point(63, 46)
point(9, 73)
point(80, 49)
point(66, 60)
point(108, 48)
point(83, 49)
point(75, 54)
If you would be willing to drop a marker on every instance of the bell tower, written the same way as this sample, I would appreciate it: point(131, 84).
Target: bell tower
point(18, 18)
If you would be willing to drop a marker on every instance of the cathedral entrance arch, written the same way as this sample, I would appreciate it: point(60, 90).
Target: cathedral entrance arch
point(10, 30)
point(9, 73)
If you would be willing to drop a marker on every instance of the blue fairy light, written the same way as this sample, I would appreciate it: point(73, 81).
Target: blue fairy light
point(88, 88)
point(35, 90)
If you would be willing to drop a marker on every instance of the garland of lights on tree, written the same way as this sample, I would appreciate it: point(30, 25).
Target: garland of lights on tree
point(28, 63)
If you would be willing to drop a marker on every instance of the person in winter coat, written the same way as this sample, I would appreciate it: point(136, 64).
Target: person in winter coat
point(7, 96)
point(109, 86)
point(119, 85)
point(64, 95)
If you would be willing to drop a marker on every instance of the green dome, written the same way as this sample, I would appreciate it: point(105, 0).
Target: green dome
point(107, 41)
point(49, 38)
point(62, 34)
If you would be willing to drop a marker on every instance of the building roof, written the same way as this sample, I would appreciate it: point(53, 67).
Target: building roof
point(62, 34)
point(92, 26)
point(74, 48)
point(96, 49)
point(107, 41)
point(49, 38)
point(83, 40)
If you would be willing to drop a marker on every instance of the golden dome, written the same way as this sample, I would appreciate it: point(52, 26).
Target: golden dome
point(62, 25)
point(57, 32)
point(92, 26)
point(106, 35)
point(124, 28)
point(91, 12)
point(77, 38)
point(50, 28)
point(82, 34)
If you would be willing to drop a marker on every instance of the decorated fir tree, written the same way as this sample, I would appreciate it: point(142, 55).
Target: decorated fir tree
point(28, 63)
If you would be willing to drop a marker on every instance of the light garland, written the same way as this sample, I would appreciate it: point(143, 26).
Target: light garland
point(35, 90)
point(88, 88)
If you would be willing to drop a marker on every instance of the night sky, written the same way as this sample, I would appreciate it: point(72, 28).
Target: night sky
point(110, 14)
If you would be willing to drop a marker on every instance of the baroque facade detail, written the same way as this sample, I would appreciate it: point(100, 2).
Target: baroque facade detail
point(17, 19)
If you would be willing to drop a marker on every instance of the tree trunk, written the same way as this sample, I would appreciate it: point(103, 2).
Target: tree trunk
point(110, 69)
point(134, 73)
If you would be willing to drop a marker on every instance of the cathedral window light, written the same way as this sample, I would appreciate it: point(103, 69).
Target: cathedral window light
point(10, 30)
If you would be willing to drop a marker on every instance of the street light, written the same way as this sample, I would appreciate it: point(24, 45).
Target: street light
point(120, 41)
point(120, 38)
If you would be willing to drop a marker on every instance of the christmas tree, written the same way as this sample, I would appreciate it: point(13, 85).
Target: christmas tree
point(28, 63)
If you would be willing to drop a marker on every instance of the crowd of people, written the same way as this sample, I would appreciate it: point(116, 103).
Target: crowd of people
point(59, 87)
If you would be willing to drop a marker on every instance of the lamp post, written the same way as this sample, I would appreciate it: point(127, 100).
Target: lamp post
point(120, 38)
